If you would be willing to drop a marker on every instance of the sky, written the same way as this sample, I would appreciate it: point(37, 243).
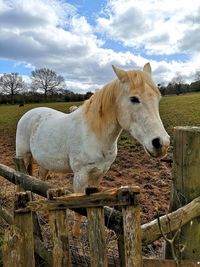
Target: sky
point(81, 39)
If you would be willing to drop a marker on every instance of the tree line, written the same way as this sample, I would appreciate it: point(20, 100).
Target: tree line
point(178, 86)
point(47, 86)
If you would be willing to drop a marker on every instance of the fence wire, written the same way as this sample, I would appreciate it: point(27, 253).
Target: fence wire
point(79, 246)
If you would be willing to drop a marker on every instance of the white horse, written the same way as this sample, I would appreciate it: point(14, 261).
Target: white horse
point(85, 141)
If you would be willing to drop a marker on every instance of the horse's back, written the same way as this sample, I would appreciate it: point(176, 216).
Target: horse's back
point(28, 124)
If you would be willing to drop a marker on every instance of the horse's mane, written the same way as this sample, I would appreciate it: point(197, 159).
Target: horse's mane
point(101, 106)
point(100, 109)
point(138, 79)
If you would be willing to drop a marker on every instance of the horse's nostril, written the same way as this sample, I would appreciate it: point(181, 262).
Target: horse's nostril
point(156, 143)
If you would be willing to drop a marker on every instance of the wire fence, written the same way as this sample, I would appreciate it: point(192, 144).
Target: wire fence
point(79, 246)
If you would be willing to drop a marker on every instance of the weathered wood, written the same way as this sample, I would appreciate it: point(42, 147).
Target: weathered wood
point(60, 238)
point(20, 166)
point(113, 218)
point(168, 263)
point(39, 246)
point(42, 251)
point(24, 223)
point(132, 236)
point(13, 247)
point(151, 232)
point(57, 192)
point(120, 244)
point(96, 234)
point(6, 215)
point(29, 183)
point(186, 186)
point(113, 197)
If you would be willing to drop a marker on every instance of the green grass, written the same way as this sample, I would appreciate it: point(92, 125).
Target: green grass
point(174, 110)
point(180, 111)
point(10, 114)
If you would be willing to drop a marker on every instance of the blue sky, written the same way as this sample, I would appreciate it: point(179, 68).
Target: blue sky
point(81, 39)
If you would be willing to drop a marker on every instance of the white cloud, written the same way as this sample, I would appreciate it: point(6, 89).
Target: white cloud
point(157, 25)
point(51, 33)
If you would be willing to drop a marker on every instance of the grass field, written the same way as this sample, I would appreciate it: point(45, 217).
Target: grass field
point(175, 111)
point(10, 114)
point(180, 111)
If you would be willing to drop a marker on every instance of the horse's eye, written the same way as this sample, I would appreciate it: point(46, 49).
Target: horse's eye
point(134, 99)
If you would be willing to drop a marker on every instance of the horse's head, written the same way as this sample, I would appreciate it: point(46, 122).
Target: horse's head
point(138, 110)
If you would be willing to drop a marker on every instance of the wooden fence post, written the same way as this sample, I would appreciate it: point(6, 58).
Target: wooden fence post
point(96, 234)
point(23, 220)
point(20, 166)
point(120, 244)
point(13, 246)
point(186, 187)
point(132, 235)
point(60, 235)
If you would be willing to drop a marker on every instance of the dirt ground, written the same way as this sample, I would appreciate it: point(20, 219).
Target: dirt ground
point(131, 167)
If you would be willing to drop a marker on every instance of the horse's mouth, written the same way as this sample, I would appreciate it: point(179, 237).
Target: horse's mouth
point(149, 152)
point(157, 153)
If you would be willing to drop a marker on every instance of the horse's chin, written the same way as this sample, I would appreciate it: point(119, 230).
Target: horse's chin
point(161, 153)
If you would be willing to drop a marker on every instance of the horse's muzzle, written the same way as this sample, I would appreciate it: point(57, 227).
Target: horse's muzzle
point(158, 152)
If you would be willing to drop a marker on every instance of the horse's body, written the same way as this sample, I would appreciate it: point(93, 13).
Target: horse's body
point(64, 142)
point(85, 141)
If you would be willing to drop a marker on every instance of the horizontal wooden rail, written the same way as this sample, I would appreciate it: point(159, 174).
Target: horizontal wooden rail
point(29, 183)
point(151, 231)
point(113, 218)
point(115, 197)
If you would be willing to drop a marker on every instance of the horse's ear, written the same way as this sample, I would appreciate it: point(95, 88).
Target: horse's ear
point(147, 68)
point(121, 74)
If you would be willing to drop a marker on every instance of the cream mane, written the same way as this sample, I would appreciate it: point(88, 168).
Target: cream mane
point(138, 79)
point(101, 108)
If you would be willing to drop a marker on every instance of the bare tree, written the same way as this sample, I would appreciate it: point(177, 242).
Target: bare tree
point(177, 82)
point(11, 84)
point(197, 76)
point(47, 81)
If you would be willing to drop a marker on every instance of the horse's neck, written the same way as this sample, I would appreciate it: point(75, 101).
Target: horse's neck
point(101, 114)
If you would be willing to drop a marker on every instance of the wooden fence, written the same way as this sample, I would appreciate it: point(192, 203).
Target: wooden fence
point(19, 239)
point(23, 238)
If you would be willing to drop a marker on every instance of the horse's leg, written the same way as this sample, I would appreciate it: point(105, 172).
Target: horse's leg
point(29, 165)
point(42, 173)
point(28, 161)
point(80, 182)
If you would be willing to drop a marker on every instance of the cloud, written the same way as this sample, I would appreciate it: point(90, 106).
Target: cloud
point(190, 41)
point(51, 33)
point(73, 49)
point(21, 14)
point(156, 25)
